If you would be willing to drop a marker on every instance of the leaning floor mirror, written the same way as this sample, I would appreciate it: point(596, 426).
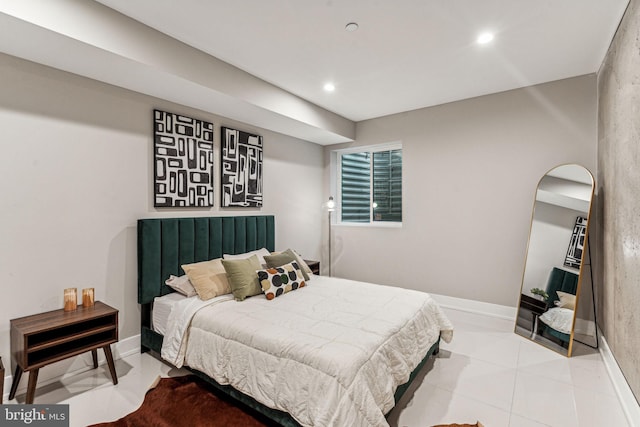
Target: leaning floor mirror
point(557, 262)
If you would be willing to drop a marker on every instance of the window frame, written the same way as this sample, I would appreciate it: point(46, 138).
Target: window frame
point(397, 145)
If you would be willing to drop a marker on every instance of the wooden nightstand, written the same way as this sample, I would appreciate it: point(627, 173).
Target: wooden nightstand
point(530, 308)
point(314, 266)
point(45, 338)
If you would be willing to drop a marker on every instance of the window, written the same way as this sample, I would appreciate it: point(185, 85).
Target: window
point(370, 184)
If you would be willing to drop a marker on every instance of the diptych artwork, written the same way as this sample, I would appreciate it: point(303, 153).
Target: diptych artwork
point(576, 245)
point(241, 169)
point(183, 161)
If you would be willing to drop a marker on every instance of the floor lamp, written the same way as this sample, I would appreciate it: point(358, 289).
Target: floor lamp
point(331, 206)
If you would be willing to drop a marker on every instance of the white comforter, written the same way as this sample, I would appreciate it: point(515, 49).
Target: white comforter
point(560, 319)
point(330, 354)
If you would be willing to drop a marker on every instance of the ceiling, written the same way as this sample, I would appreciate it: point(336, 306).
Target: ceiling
point(265, 62)
point(406, 54)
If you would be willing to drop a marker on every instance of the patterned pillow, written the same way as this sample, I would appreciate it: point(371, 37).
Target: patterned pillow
point(280, 280)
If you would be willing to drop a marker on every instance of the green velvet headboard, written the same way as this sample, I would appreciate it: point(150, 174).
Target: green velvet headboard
point(560, 280)
point(164, 244)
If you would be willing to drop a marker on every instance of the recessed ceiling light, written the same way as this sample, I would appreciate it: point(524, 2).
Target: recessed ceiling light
point(351, 27)
point(485, 38)
point(329, 87)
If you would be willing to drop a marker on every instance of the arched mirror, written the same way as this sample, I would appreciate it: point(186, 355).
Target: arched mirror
point(557, 258)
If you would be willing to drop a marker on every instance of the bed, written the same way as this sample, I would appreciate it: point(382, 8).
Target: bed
point(229, 343)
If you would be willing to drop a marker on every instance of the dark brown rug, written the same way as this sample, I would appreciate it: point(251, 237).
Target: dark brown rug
point(185, 401)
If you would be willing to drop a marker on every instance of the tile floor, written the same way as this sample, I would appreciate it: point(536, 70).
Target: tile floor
point(487, 373)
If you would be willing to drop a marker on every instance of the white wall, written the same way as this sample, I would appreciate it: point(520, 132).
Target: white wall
point(77, 173)
point(550, 235)
point(470, 173)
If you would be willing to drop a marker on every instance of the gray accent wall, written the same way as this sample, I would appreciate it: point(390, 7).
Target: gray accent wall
point(619, 196)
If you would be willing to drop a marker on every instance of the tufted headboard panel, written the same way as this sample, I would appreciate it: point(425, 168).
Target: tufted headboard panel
point(560, 280)
point(164, 244)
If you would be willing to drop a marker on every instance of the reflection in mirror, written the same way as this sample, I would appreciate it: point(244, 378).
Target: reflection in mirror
point(557, 258)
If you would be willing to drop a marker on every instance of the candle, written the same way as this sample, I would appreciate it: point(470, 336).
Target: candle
point(87, 297)
point(70, 299)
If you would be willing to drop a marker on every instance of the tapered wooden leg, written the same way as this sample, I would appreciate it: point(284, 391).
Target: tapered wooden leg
point(112, 366)
point(94, 356)
point(31, 387)
point(14, 384)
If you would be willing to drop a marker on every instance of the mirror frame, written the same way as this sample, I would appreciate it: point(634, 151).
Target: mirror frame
point(582, 259)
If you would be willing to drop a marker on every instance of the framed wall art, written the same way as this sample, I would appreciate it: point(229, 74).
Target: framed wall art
point(576, 244)
point(183, 163)
point(241, 169)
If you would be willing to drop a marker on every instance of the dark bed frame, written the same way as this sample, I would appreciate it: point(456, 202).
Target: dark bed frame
point(164, 244)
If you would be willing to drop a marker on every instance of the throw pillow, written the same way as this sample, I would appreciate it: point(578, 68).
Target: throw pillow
point(260, 253)
point(302, 263)
point(566, 300)
point(181, 285)
point(242, 276)
point(280, 280)
point(286, 257)
point(208, 278)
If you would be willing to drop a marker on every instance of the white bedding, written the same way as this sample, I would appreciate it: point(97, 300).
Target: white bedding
point(162, 307)
point(330, 354)
point(560, 319)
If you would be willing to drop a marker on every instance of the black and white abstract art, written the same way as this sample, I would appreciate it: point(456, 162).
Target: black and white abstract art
point(183, 161)
point(576, 245)
point(241, 169)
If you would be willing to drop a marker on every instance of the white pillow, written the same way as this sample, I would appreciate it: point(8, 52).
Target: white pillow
point(260, 253)
point(181, 285)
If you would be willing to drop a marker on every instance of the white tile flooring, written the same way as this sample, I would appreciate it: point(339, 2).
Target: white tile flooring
point(487, 373)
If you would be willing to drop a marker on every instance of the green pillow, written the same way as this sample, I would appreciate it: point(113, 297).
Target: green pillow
point(242, 276)
point(283, 258)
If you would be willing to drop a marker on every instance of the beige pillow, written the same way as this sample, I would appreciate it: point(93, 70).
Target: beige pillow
point(181, 285)
point(209, 278)
point(566, 300)
point(243, 276)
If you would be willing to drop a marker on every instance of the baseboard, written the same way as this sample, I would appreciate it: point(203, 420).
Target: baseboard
point(479, 307)
point(73, 366)
point(627, 399)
